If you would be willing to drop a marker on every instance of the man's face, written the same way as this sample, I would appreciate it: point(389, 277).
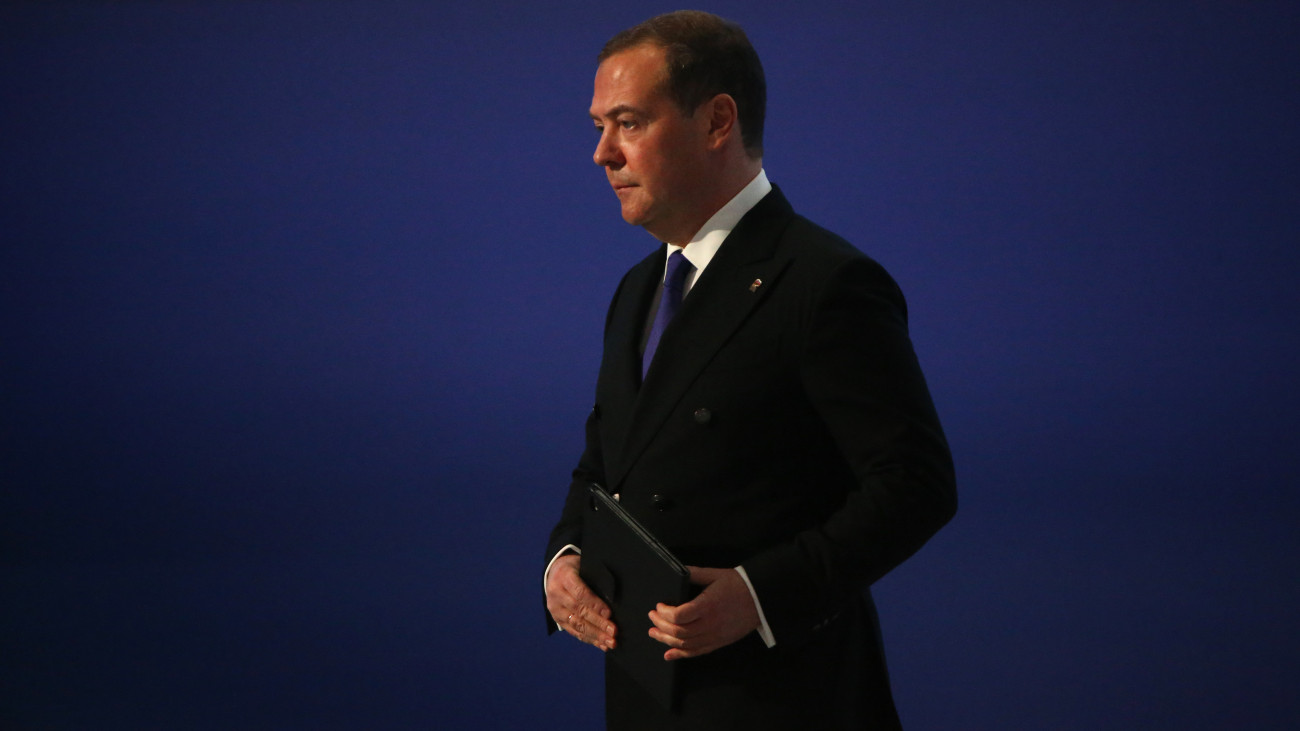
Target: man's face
point(654, 156)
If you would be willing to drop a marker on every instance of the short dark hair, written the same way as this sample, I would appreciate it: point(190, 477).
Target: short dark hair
point(706, 56)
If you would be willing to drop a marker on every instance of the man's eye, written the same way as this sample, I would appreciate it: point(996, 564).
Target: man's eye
point(627, 123)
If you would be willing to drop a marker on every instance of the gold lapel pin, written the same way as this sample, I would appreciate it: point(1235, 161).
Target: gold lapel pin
point(753, 287)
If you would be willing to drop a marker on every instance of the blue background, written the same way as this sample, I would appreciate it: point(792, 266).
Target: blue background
point(301, 305)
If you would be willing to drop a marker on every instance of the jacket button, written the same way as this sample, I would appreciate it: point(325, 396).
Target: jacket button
point(661, 502)
point(703, 416)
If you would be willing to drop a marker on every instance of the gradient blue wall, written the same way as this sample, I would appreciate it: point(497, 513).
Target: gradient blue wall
point(300, 312)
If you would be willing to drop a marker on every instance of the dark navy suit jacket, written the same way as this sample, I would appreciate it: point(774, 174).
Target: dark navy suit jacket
point(784, 426)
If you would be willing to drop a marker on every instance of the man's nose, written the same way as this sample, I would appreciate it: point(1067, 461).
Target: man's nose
point(607, 153)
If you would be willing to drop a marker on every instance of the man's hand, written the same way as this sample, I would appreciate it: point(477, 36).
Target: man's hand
point(576, 608)
point(723, 613)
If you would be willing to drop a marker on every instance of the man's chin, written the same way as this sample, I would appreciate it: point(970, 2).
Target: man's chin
point(634, 216)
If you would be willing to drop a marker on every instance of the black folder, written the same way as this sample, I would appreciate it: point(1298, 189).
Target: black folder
point(632, 571)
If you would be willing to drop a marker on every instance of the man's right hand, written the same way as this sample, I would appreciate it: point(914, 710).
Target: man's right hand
point(575, 607)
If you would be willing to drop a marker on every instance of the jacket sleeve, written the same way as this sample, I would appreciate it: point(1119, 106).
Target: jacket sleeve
point(590, 468)
point(861, 375)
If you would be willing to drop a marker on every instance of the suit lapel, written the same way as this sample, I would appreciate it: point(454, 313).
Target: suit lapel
point(621, 378)
point(716, 306)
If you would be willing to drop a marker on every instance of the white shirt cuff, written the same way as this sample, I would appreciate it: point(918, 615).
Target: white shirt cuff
point(764, 631)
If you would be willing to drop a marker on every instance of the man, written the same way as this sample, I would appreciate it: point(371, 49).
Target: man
point(759, 408)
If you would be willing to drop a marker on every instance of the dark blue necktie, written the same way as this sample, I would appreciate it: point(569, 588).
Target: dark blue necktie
point(669, 302)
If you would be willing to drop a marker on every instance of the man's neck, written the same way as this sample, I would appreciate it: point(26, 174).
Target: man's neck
point(730, 183)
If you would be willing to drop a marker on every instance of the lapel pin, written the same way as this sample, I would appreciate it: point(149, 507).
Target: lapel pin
point(753, 287)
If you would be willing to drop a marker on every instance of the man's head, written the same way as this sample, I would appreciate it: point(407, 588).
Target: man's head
point(705, 56)
point(674, 139)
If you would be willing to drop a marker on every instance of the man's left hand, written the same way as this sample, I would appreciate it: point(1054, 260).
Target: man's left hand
point(723, 613)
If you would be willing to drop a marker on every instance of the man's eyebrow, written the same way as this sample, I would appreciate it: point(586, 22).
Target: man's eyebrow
point(614, 112)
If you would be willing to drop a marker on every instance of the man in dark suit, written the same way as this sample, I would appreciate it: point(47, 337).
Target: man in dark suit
point(759, 408)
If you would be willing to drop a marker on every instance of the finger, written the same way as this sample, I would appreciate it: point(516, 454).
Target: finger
point(672, 641)
point(578, 598)
point(690, 648)
point(560, 611)
point(600, 641)
point(676, 654)
point(599, 630)
point(682, 614)
point(669, 628)
point(592, 628)
point(596, 614)
point(574, 625)
point(594, 606)
point(668, 613)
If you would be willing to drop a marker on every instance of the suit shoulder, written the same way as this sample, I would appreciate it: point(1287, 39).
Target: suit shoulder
point(825, 254)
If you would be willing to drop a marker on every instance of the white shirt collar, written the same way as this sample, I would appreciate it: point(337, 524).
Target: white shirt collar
point(699, 252)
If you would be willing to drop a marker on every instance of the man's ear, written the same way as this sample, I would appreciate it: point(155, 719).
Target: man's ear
point(723, 119)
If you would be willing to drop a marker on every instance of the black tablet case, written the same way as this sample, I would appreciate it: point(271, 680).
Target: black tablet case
point(632, 571)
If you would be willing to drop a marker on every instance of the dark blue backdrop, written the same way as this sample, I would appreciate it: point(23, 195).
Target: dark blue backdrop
point(301, 306)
